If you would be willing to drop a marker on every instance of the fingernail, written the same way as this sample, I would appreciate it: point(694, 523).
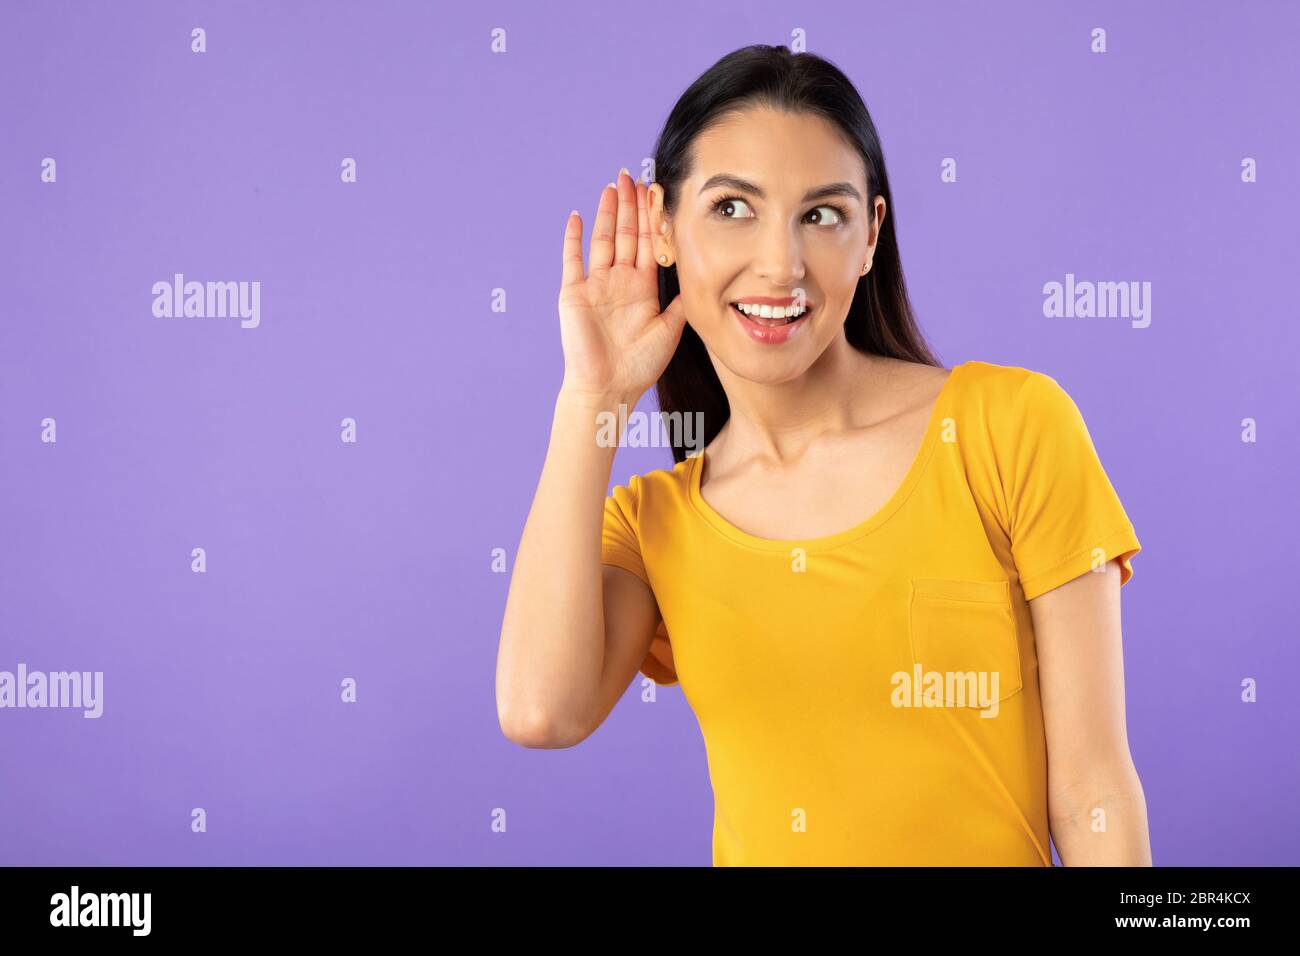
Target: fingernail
point(623, 169)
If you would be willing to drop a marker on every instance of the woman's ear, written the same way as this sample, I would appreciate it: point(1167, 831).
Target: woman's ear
point(873, 231)
point(878, 208)
point(659, 229)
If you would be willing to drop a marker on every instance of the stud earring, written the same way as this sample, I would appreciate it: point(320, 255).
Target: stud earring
point(663, 259)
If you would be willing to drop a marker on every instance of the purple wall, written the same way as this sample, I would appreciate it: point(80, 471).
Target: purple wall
point(372, 559)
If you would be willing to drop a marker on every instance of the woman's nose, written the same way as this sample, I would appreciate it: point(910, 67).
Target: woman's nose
point(779, 256)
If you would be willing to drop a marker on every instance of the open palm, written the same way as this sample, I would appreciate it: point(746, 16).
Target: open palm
point(615, 339)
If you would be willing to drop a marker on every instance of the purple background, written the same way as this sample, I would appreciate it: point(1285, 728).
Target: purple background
point(372, 560)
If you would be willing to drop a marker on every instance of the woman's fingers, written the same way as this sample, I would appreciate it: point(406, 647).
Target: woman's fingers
point(602, 233)
point(621, 233)
point(572, 271)
point(625, 237)
point(645, 253)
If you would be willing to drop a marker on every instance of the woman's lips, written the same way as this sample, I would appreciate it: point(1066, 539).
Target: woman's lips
point(771, 334)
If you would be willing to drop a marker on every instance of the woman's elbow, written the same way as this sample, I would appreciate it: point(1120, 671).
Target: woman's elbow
point(537, 731)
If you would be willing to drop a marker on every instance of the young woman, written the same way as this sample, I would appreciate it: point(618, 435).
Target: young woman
point(889, 590)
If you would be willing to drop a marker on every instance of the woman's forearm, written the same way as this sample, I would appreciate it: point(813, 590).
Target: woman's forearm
point(552, 634)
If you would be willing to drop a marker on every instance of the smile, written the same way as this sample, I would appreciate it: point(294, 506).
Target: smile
point(771, 325)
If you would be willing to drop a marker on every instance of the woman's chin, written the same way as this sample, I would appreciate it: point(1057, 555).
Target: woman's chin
point(768, 367)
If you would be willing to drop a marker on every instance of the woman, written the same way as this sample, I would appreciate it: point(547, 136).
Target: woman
point(889, 589)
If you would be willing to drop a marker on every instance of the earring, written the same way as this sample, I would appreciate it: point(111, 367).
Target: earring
point(864, 269)
point(663, 259)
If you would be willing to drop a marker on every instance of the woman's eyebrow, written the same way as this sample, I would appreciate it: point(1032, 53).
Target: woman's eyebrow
point(744, 185)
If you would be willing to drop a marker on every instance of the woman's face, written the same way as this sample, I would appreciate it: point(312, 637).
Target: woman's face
point(775, 208)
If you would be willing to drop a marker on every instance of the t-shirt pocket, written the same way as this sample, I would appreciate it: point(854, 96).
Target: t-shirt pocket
point(965, 632)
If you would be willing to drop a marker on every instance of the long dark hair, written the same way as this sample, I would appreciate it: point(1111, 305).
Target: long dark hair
point(880, 319)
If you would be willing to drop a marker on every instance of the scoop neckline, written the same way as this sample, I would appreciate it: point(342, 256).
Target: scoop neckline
point(882, 514)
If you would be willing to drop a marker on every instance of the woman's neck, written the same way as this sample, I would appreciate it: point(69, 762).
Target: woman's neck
point(840, 391)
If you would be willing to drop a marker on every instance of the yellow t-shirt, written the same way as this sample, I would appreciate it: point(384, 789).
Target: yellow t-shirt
point(871, 697)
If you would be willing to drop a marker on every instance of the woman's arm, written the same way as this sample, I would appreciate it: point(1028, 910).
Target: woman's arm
point(574, 632)
point(1096, 806)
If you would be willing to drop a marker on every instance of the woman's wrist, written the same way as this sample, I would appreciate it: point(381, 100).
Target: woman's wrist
point(596, 401)
point(595, 419)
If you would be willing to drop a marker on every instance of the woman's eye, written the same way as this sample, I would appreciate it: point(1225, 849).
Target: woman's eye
point(725, 204)
point(833, 212)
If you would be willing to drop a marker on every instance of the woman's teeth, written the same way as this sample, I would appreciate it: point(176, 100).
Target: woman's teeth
point(770, 315)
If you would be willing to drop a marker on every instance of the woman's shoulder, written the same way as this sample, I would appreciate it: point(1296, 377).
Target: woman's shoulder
point(994, 379)
point(660, 486)
point(987, 384)
point(1005, 395)
point(1013, 409)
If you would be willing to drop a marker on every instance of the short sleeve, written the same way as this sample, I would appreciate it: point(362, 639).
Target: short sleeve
point(1065, 517)
point(620, 546)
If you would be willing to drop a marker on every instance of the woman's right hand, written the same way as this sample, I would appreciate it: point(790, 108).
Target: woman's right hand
point(616, 341)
